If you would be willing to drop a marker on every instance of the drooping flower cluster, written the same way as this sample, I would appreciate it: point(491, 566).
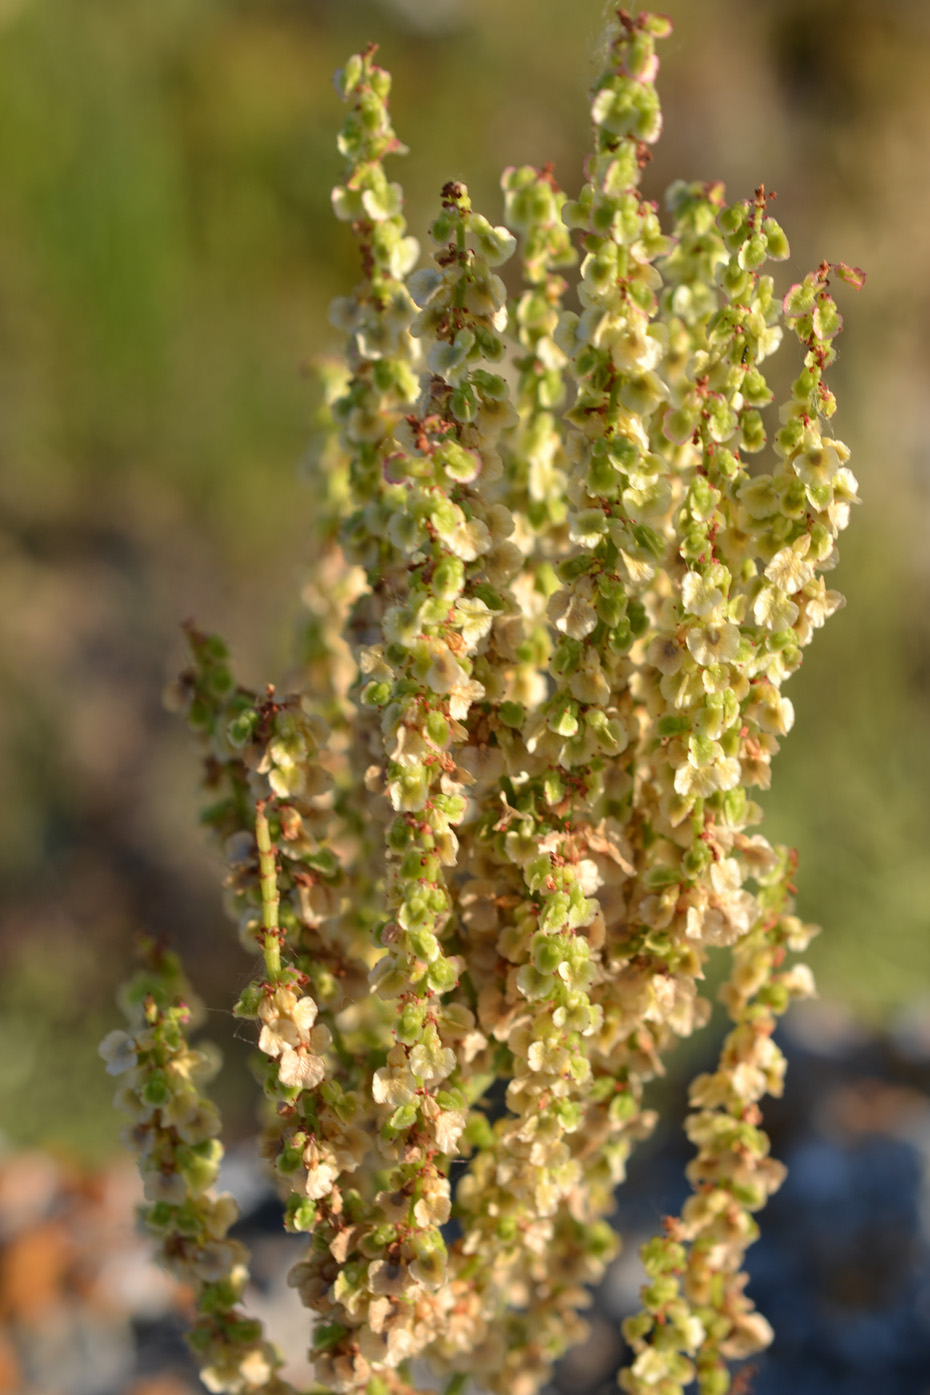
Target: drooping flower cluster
point(488, 850)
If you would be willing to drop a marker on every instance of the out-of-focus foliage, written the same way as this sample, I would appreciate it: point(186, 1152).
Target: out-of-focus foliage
point(167, 252)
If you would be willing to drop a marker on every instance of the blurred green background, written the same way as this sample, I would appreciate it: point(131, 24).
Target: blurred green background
point(167, 254)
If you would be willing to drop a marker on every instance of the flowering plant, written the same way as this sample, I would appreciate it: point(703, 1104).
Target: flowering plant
point(484, 852)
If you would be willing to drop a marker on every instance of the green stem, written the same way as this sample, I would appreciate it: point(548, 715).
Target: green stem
point(271, 897)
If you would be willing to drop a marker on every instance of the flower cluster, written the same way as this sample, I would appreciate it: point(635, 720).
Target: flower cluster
point(486, 852)
point(172, 1129)
point(696, 1315)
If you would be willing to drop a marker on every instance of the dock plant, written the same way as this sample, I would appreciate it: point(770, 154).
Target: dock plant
point(570, 548)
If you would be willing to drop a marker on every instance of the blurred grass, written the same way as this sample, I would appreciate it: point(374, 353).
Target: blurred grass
point(167, 254)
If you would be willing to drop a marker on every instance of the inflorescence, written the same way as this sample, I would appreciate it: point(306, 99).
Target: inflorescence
point(569, 559)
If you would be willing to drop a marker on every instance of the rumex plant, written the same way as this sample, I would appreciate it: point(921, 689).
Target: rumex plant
point(567, 559)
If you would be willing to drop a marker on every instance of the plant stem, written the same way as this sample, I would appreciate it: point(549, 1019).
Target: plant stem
point(271, 898)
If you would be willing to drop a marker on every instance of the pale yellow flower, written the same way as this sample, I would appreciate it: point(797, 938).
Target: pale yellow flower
point(713, 644)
